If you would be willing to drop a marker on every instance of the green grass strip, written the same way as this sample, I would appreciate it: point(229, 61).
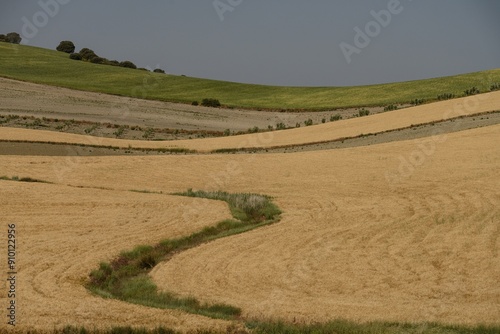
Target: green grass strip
point(23, 179)
point(54, 68)
point(350, 327)
point(126, 277)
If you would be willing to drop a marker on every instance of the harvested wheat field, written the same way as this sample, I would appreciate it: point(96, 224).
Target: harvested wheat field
point(404, 231)
point(387, 121)
point(64, 232)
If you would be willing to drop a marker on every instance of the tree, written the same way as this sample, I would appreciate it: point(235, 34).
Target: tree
point(159, 70)
point(75, 56)
point(13, 37)
point(98, 60)
point(87, 54)
point(128, 64)
point(3, 38)
point(66, 46)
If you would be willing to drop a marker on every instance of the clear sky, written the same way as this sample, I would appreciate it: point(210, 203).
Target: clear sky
point(277, 42)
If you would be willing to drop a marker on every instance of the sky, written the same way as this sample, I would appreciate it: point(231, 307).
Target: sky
point(273, 42)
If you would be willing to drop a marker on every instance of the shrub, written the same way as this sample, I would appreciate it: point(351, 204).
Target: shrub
point(214, 103)
point(143, 69)
point(363, 112)
point(149, 133)
point(13, 37)
point(323, 120)
point(255, 129)
point(119, 132)
point(194, 103)
point(87, 54)
point(280, 126)
point(471, 91)
point(417, 102)
point(391, 107)
point(309, 122)
point(297, 125)
point(3, 38)
point(127, 64)
point(75, 56)
point(113, 63)
point(334, 118)
point(159, 70)
point(446, 96)
point(227, 132)
point(98, 60)
point(495, 86)
point(66, 46)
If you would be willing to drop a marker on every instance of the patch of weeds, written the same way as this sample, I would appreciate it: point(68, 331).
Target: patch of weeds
point(91, 129)
point(336, 117)
point(446, 96)
point(126, 278)
point(391, 107)
point(417, 102)
point(350, 327)
point(495, 86)
point(363, 112)
point(472, 91)
point(280, 126)
point(255, 129)
point(148, 133)
point(23, 179)
point(119, 132)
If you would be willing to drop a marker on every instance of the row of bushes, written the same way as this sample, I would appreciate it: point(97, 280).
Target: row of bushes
point(11, 37)
point(89, 55)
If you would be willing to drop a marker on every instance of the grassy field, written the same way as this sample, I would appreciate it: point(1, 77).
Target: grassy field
point(55, 68)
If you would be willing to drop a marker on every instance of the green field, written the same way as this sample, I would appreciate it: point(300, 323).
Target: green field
point(55, 68)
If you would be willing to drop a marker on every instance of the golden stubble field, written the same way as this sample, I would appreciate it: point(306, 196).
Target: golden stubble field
point(404, 231)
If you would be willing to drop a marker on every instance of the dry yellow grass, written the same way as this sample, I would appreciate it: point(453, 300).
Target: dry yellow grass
point(324, 132)
point(363, 235)
point(63, 233)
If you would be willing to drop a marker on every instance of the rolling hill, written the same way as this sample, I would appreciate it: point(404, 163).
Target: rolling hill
point(55, 68)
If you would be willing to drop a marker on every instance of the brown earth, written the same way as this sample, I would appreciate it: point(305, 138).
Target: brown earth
point(307, 135)
point(28, 99)
point(417, 131)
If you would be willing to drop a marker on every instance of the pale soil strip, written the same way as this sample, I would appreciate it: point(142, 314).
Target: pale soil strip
point(313, 134)
point(351, 244)
point(29, 99)
point(65, 232)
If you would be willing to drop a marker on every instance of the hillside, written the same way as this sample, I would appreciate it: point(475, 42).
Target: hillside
point(331, 131)
point(55, 68)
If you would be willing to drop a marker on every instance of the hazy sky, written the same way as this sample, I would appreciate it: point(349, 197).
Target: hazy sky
point(279, 42)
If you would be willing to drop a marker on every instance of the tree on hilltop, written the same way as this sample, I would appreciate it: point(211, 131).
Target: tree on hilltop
point(66, 46)
point(87, 54)
point(13, 37)
point(128, 64)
